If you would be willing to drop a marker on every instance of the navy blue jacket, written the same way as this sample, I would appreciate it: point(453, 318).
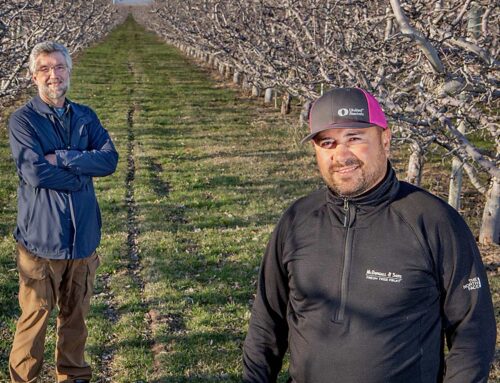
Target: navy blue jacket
point(58, 215)
point(368, 290)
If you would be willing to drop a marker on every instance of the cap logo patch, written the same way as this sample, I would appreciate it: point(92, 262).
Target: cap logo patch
point(351, 112)
point(343, 112)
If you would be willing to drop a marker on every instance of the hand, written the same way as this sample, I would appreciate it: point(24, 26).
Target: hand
point(51, 158)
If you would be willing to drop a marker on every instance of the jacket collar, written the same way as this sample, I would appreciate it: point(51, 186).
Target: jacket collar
point(42, 107)
point(384, 192)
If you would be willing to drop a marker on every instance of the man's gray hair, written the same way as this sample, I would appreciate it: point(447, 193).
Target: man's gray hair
point(47, 47)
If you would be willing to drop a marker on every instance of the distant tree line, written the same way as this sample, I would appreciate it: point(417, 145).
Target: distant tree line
point(23, 23)
point(432, 64)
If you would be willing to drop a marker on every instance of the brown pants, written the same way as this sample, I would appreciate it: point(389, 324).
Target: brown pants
point(43, 283)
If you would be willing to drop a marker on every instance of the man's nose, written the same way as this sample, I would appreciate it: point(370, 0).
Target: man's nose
point(52, 73)
point(341, 151)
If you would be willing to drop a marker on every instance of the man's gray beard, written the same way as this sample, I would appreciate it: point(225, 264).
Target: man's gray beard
point(54, 96)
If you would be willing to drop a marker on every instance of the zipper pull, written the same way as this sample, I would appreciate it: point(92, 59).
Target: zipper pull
point(346, 204)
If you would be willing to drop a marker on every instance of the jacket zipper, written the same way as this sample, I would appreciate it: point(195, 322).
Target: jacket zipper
point(71, 204)
point(348, 220)
point(60, 131)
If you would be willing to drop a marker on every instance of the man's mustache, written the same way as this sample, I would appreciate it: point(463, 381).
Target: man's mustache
point(340, 165)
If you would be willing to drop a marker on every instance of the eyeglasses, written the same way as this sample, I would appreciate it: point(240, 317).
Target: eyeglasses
point(57, 69)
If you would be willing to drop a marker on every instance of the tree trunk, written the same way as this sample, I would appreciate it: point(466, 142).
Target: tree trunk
point(211, 59)
point(304, 113)
point(455, 187)
point(415, 164)
point(490, 224)
point(455, 184)
point(245, 84)
point(286, 100)
point(255, 91)
point(236, 77)
point(222, 68)
point(268, 96)
point(227, 73)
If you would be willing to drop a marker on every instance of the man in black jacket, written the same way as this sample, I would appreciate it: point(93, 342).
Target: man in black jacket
point(368, 279)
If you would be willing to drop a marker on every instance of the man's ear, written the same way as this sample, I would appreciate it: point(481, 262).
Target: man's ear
point(386, 140)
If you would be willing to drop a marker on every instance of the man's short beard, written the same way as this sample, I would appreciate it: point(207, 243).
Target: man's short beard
point(60, 92)
point(363, 184)
point(361, 188)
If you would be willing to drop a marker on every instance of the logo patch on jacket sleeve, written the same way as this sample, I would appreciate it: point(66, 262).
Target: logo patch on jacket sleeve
point(474, 284)
point(384, 277)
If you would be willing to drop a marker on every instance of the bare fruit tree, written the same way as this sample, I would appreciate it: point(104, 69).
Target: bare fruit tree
point(433, 65)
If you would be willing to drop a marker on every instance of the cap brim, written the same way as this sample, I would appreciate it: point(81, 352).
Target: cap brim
point(341, 125)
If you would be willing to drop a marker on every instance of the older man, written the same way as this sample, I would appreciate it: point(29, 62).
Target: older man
point(364, 280)
point(58, 146)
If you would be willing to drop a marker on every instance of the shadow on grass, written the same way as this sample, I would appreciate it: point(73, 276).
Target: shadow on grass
point(173, 218)
point(198, 379)
point(194, 351)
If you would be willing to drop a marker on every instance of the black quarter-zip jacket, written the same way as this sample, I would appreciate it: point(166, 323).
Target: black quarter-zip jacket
point(367, 290)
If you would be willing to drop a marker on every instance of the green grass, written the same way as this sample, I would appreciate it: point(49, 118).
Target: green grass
point(213, 171)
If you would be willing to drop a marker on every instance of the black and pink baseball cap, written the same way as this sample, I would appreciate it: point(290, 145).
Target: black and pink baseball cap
point(345, 108)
